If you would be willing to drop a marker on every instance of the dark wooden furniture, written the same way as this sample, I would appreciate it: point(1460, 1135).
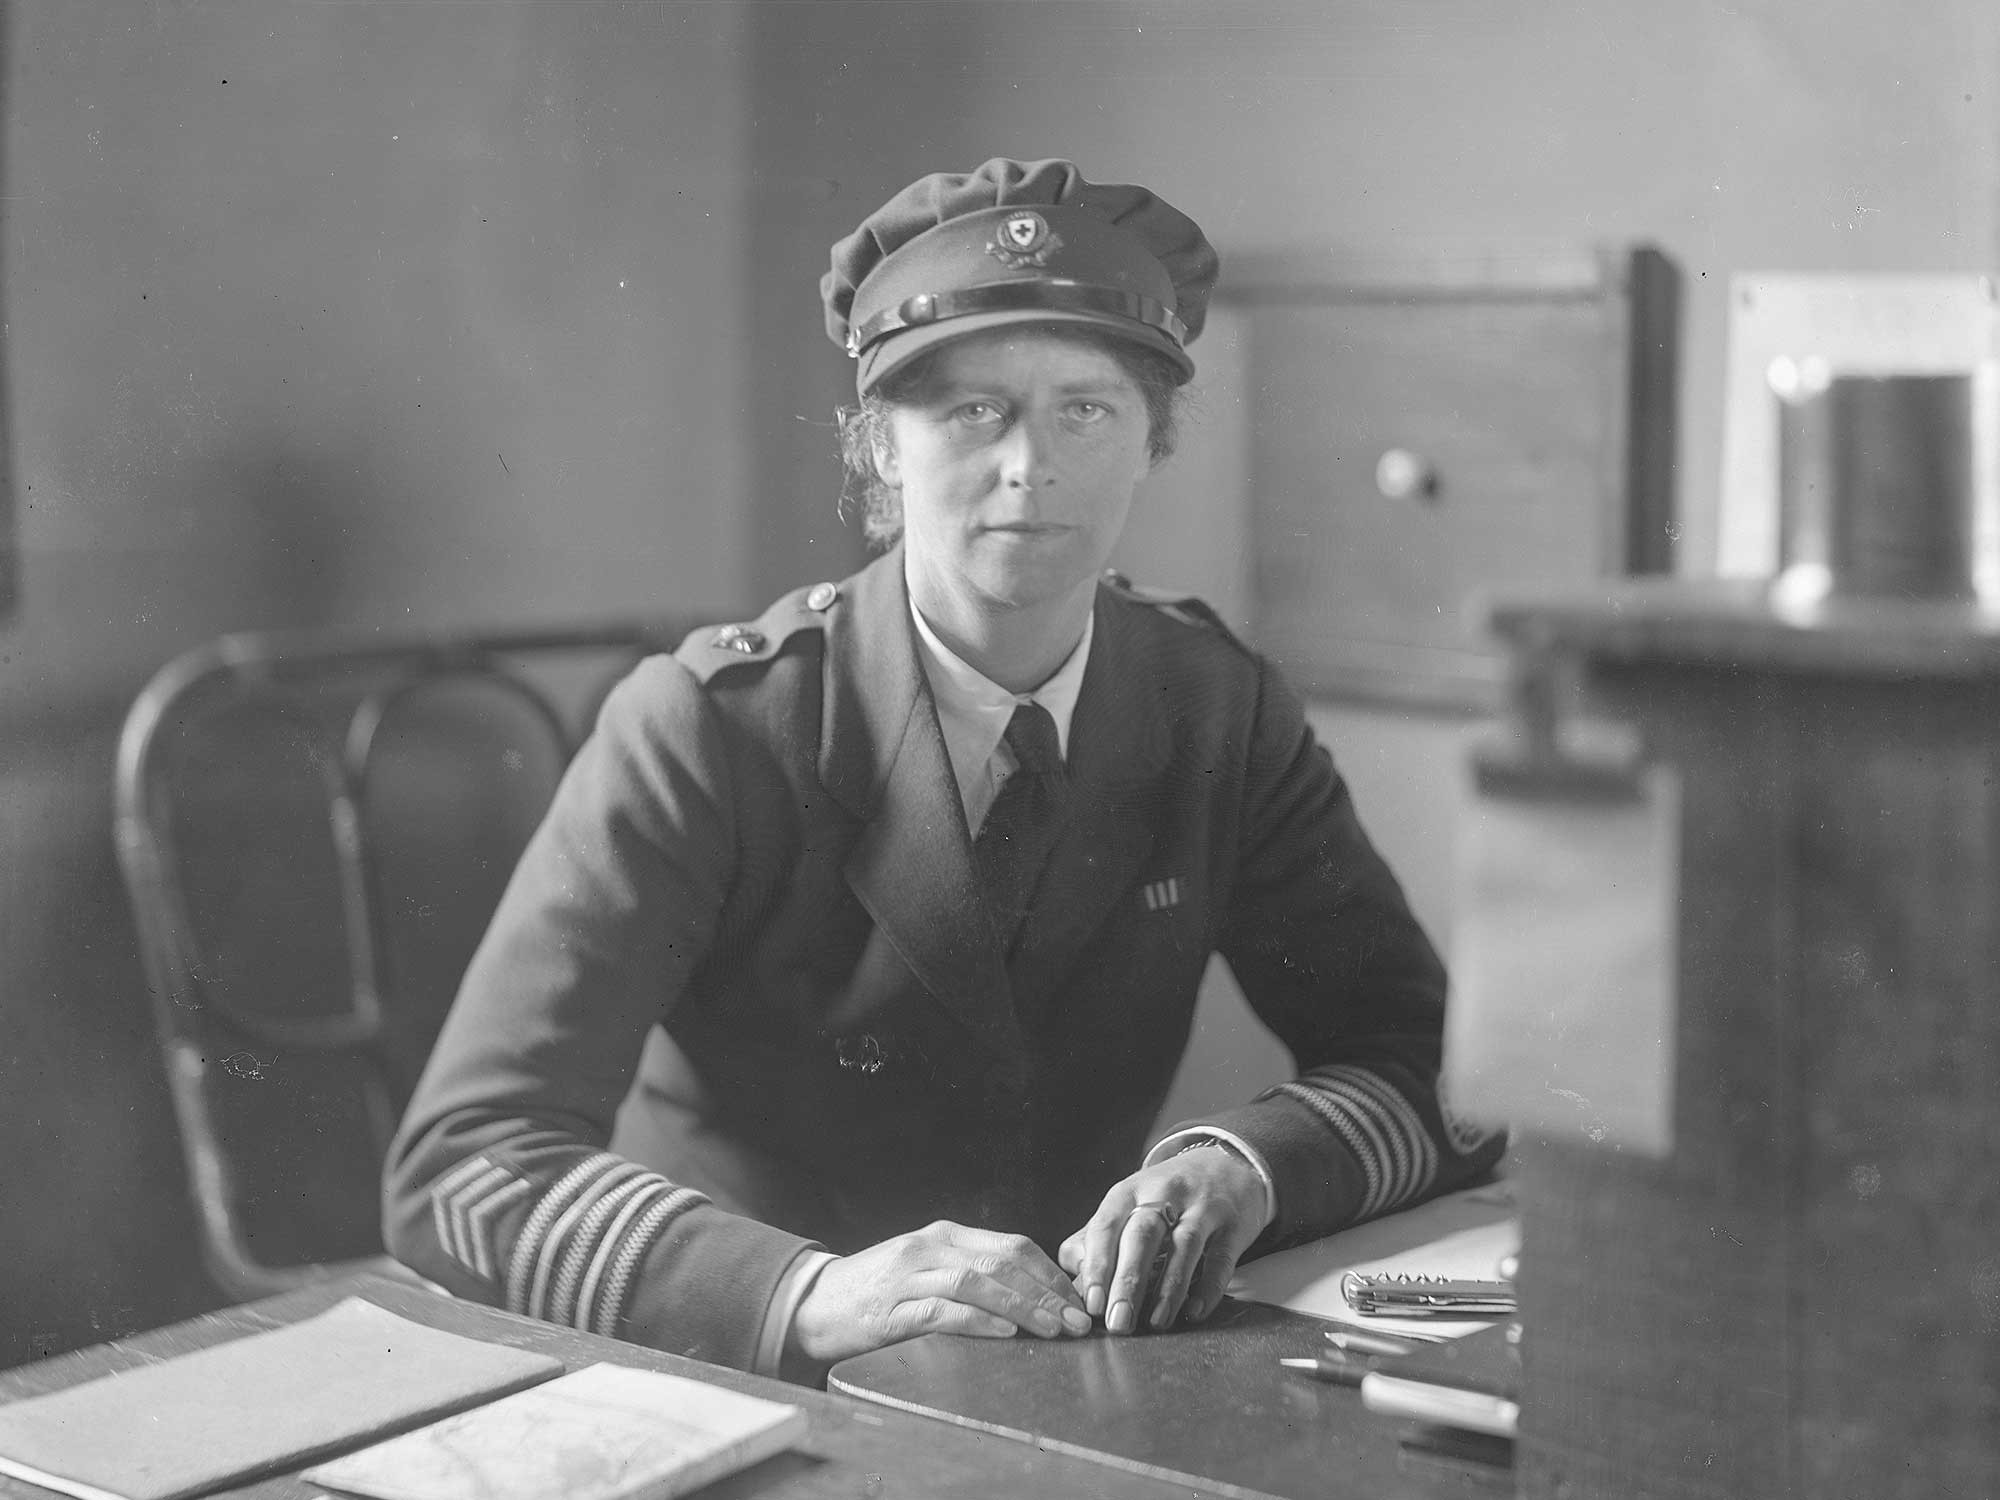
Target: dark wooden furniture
point(1803, 1299)
point(852, 1452)
point(1421, 433)
point(314, 829)
point(1208, 1404)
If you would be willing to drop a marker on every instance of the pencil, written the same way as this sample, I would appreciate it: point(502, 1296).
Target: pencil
point(1332, 1368)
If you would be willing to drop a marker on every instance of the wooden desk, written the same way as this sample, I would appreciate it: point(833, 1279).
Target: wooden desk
point(851, 1451)
point(1199, 1405)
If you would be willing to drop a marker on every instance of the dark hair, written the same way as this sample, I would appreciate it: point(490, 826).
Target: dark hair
point(865, 424)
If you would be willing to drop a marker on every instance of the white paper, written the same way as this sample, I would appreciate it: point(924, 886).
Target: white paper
point(605, 1432)
point(1465, 1234)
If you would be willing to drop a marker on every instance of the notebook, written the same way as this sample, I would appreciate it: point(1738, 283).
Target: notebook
point(605, 1432)
point(253, 1406)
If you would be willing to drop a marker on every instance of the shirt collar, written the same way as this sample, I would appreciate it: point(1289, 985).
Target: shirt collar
point(973, 709)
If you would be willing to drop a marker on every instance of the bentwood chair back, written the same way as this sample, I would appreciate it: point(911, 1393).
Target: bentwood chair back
point(314, 830)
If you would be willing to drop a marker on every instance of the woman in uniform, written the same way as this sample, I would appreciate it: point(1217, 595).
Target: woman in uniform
point(835, 998)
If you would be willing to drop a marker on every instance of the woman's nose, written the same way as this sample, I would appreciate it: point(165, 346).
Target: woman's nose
point(1027, 455)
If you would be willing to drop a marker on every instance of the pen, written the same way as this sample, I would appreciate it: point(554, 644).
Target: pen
point(1368, 1343)
point(1333, 1368)
point(1401, 1335)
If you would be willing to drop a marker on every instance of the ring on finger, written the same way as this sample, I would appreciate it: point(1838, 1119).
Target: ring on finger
point(1169, 1215)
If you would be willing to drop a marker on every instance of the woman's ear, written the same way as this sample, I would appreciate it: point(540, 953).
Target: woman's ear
point(882, 448)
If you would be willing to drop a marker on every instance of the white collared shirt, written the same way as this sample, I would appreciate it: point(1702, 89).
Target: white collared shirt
point(973, 711)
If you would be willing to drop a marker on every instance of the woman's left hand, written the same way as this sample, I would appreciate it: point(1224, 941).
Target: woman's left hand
point(1199, 1210)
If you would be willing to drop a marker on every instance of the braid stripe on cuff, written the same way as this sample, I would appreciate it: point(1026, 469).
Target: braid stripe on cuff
point(574, 1259)
point(528, 1243)
point(1397, 1156)
point(540, 1303)
point(650, 1192)
point(1406, 1126)
point(587, 1244)
point(625, 1263)
point(1358, 1144)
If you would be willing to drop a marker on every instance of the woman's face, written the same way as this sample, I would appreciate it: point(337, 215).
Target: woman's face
point(1016, 462)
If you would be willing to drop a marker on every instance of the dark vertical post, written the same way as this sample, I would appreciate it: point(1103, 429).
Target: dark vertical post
point(10, 536)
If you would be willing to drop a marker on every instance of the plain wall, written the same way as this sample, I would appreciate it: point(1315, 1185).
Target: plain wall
point(268, 342)
point(373, 314)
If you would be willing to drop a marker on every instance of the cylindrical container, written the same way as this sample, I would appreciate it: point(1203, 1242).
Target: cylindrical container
point(1885, 485)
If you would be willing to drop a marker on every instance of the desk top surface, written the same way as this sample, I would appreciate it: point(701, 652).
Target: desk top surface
point(1205, 1405)
point(851, 1450)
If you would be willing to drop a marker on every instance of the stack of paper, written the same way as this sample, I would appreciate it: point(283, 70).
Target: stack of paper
point(604, 1433)
point(254, 1406)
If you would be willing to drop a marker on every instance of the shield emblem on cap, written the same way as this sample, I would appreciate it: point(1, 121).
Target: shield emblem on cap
point(1023, 230)
point(1024, 239)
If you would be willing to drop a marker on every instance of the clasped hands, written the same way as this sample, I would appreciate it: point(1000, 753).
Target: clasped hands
point(1193, 1215)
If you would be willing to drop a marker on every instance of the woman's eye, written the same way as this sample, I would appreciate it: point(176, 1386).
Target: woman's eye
point(978, 413)
point(1089, 411)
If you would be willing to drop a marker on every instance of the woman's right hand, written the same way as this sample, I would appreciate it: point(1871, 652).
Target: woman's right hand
point(945, 1278)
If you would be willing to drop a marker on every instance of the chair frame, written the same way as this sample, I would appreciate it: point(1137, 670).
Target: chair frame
point(281, 669)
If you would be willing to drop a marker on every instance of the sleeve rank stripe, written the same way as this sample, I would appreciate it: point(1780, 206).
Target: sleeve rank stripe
point(445, 1191)
point(1366, 1112)
point(548, 1254)
point(589, 1246)
point(457, 1207)
point(479, 1223)
point(447, 1211)
point(1397, 1167)
point(461, 1174)
point(554, 1201)
point(463, 1204)
point(638, 1241)
point(1409, 1125)
point(1377, 1153)
point(1337, 1121)
point(1412, 1156)
point(651, 1192)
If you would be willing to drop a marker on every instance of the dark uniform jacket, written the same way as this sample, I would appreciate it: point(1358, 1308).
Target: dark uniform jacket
point(757, 874)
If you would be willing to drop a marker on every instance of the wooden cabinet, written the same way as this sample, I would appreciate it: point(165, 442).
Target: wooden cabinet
point(1802, 1298)
point(1419, 436)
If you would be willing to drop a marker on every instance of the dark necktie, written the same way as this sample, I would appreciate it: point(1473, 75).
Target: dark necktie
point(1021, 826)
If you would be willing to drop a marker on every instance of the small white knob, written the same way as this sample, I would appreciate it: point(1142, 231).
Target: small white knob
point(1401, 475)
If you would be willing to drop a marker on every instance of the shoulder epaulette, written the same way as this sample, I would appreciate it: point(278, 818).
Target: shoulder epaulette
point(1175, 604)
point(716, 648)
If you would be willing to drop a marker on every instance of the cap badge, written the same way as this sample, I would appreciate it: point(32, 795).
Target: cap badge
point(1024, 239)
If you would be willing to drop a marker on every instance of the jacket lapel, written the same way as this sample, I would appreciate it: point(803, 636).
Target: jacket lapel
point(1120, 741)
point(883, 757)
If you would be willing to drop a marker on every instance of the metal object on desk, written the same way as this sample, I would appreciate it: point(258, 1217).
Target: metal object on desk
point(1426, 1296)
point(1889, 484)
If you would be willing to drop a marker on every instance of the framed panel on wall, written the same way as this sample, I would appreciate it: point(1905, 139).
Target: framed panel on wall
point(1423, 434)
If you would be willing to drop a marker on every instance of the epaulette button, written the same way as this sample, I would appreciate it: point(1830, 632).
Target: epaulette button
point(738, 638)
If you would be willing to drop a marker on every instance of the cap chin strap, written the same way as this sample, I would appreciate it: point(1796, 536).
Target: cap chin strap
point(1039, 295)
